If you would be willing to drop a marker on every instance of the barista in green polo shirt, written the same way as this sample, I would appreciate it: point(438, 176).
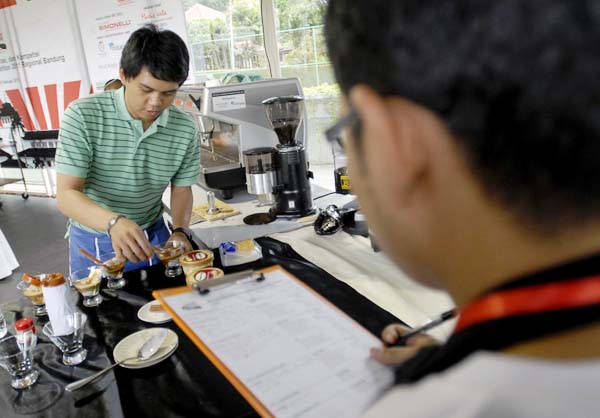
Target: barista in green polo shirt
point(119, 150)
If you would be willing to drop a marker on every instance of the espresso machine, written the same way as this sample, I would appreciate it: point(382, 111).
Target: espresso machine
point(281, 171)
point(230, 120)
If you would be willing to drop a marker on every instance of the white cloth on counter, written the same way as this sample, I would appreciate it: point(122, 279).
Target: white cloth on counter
point(495, 385)
point(59, 306)
point(8, 261)
point(350, 259)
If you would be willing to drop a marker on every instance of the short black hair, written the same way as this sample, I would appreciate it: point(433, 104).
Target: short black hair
point(163, 52)
point(516, 81)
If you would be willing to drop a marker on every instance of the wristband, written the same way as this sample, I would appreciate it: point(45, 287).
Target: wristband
point(113, 222)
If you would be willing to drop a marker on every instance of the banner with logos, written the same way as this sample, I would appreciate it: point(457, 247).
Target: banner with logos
point(106, 26)
point(55, 51)
point(41, 69)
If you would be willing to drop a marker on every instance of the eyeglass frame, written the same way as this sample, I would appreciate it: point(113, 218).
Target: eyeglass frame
point(334, 133)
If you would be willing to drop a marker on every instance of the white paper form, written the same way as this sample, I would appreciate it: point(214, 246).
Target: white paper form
point(299, 356)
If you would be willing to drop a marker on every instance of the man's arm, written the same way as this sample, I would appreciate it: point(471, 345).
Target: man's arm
point(127, 237)
point(181, 211)
point(77, 206)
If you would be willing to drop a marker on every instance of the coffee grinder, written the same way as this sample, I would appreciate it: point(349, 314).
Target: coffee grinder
point(291, 189)
point(280, 175)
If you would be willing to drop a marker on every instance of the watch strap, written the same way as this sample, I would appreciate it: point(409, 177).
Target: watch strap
point(112, 222)
point(185, 232)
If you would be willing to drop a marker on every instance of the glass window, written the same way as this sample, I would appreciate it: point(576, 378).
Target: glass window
point(227, 44)
point(226, 39)
point(303, 54)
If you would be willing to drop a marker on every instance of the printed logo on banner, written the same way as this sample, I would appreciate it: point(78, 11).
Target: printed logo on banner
point(115, 47)
point(115, 25)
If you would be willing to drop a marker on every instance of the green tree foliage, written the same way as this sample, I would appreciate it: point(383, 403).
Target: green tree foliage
point(301, 48)
point(294, 14)
point(300, 36)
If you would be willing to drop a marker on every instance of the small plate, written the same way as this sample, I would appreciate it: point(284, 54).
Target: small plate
point(129, 346)
point(154, 317)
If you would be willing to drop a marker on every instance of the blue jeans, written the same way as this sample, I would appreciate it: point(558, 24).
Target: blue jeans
point(99, 244)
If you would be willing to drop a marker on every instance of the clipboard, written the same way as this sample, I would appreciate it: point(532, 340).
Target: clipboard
point(272, 307)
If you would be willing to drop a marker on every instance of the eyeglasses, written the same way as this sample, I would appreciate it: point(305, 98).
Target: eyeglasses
point(334, 134)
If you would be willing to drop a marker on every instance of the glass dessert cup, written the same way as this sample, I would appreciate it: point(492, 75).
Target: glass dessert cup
point(71, 344)
point(17, 359)
point(87, 281)
point(113, 267)
point(169, 253)
point(31, 286)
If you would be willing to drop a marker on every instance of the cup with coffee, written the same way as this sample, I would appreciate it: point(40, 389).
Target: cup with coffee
point(113, 266)
point(88, 281)
point(168, 253)
point(31, 286)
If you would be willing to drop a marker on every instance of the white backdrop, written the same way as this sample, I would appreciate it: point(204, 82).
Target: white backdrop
point(106, 25)
point(55, 51)
point(40, 65)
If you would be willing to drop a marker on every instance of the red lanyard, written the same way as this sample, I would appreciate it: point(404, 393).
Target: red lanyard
point(531, 299)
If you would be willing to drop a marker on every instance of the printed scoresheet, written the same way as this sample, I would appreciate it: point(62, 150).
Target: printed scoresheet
point(291, 350)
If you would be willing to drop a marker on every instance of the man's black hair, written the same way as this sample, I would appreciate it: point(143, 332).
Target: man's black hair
point(516, 81)
point(163, 52)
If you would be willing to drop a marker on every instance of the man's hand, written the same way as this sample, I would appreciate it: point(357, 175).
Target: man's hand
point(180, 236)
point(129, 241)
point(398, 355)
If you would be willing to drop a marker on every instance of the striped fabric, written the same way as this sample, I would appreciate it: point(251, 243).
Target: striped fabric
point(126, 170)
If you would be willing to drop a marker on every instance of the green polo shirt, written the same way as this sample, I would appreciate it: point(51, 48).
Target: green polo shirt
point(126, 170)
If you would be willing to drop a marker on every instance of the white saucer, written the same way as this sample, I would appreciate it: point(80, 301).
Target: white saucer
point(129, 346)
point(154, 317)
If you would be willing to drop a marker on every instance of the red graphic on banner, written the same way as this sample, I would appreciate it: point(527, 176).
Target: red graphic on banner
point(7, 3)
point(19, 104)
point(71, 91)
point(52, 102)
point(36, 103)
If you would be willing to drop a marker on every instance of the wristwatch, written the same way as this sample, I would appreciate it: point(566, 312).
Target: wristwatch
point(113, 221)
point(184, 231)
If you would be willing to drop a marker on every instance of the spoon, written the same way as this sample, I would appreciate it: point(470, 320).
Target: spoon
point(147, 350)
point(91, 257)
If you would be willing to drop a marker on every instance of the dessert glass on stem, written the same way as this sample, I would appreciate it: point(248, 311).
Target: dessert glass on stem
point(169, 253)
point(87, 281)
point(31, 286)
point(113, 266)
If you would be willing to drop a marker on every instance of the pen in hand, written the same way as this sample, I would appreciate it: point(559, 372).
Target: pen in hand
point(418, 330)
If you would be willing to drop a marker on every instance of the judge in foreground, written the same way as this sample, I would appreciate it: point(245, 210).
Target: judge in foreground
point(473, 136)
